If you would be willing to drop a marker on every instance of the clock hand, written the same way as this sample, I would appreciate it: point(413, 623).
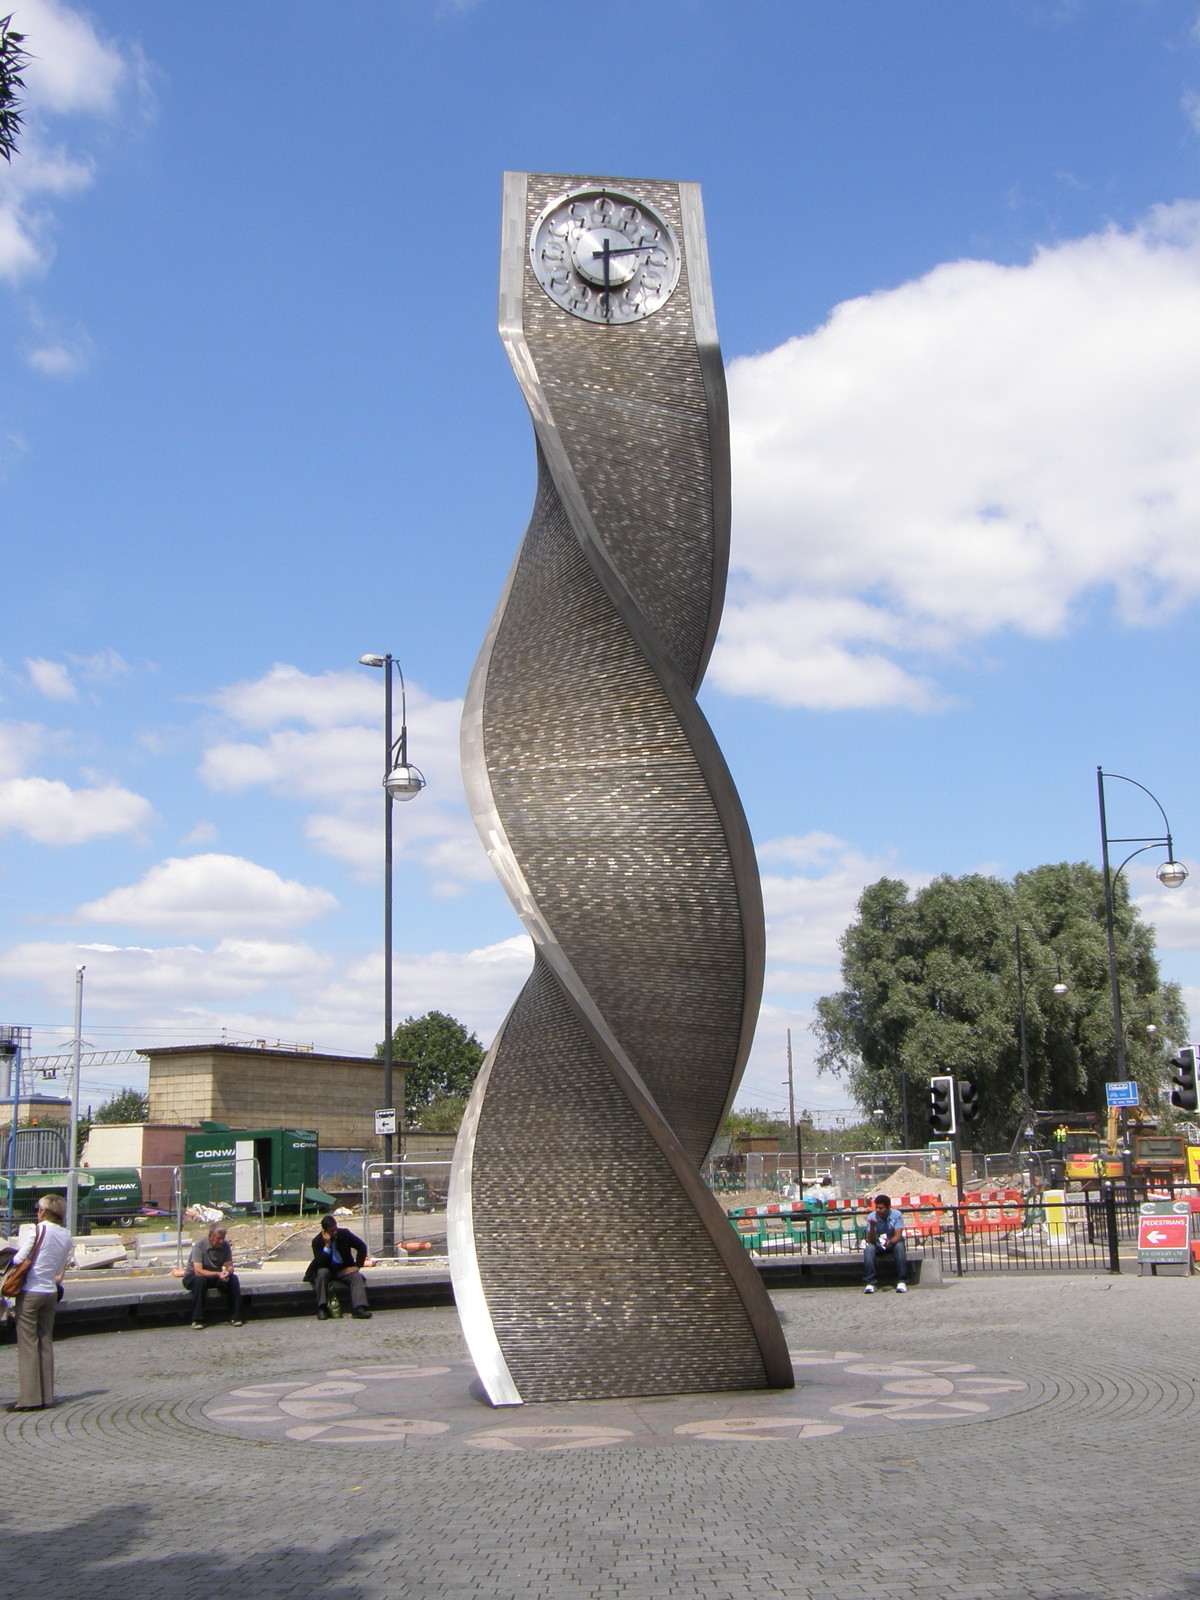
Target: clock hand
point(629, 249)
point(606, 256)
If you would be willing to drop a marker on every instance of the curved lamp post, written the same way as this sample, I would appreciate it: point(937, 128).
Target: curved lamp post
point(1171, 874)
point(401, 781)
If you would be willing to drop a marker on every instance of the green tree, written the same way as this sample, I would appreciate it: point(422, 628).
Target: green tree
point(443, 1115)
point(12, 59)
point(930, 987)
point(444, 1059)
point(127, 1105)
point(754, 1120)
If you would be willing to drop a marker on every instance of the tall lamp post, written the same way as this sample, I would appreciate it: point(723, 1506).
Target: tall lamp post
point(401, 781)
point(1171, 874)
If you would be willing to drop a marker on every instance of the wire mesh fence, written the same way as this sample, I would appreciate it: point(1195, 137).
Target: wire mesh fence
point(416, 1193)
point(166, 1208)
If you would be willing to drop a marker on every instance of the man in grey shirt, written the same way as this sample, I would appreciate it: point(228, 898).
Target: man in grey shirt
point(211, 1267)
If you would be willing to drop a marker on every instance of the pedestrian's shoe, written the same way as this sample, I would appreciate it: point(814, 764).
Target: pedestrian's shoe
point(869, 1288)
point(197, 1324)
point(13, 1406)
point(361, 1313)
point(902, 1287)
point(322, 1314)
point(236, 1322)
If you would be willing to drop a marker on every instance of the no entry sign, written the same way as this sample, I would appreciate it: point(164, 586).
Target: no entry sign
point(1163, 1228)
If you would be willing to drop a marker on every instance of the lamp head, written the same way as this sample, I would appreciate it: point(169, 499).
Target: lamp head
point(1059, 988)
point(404, 782)
point(371, 661)
point(1172, 874)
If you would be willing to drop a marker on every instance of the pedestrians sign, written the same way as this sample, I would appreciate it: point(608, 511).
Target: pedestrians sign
point(385, 1121)
point(1121, 1094)
point(1163, 1229)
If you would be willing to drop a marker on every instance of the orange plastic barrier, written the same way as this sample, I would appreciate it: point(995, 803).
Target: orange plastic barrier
point(993, 1210)
point(923, 1213)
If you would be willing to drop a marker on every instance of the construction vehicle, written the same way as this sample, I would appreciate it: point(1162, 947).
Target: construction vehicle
point(1160, 1157)
point(1075, 1136)
point(1090, 1155)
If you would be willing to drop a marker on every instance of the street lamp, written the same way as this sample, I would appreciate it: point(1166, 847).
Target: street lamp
point(1171, 874)
point(401, 781)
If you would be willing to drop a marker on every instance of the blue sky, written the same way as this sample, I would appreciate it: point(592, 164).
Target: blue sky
point(255, 420)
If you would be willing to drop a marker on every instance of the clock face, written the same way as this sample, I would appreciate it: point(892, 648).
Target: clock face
point(604, 256)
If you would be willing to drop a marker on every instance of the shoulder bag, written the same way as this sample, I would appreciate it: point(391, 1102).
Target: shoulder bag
point(14, 1280)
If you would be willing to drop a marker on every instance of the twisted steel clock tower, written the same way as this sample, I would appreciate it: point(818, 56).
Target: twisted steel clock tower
point(589, 1258)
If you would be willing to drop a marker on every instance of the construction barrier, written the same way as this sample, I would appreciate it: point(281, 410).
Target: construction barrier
point(922, 1213)
point(993, 1211)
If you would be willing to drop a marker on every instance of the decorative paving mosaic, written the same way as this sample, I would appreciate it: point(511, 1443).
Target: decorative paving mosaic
point(837, 1392)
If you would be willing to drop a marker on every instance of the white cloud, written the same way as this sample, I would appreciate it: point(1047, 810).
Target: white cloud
point(49, 812)
point(71, 69)
point(50, 678)
point(213, 896)
point(182, 976)
point(72, 72)
point(1173, 913)
point(202, 833)
point(808, 910)
point(19, 743)
point(60, 359)
point(319, 700)
point(334, 759)
point(303, 765)
point(987, 448)
point(261, 988)
point(103, 666)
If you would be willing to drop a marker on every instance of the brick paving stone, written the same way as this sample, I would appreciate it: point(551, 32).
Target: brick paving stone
point(1041, 1504)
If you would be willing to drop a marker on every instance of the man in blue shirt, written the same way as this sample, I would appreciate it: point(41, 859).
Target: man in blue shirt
point(885, 1234)
point(338, 1257)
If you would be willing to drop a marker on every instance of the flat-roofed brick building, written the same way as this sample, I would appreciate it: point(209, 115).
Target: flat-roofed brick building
point(254, 1086)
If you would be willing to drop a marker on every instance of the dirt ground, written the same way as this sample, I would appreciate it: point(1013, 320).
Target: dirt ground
point(245, 1237)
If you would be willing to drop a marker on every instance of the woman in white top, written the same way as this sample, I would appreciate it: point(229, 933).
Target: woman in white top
point(49, 1244)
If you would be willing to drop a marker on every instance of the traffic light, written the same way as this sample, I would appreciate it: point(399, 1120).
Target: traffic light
point(968, 1101)
point(941, 1105)
point(1183, 1076)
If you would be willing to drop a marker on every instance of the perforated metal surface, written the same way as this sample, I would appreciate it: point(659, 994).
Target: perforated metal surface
point(611, 818)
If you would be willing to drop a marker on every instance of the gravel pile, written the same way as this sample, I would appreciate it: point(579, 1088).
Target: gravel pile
point(906, 1180)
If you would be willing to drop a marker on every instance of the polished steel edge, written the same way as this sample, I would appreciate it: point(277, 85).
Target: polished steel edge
point(473, 1314)
point(712, 370)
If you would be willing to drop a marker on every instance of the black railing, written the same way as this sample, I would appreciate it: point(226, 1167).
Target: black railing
point(1001, 1232)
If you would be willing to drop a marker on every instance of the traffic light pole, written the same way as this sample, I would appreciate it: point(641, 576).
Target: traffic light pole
point(956, 1146)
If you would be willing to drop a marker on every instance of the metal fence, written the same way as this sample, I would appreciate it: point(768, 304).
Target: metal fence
point(999, 1232)
point(849, 1171)
point(418, 1192)
point(166, 1208)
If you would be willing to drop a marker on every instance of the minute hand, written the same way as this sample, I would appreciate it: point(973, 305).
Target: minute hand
point(606, 256)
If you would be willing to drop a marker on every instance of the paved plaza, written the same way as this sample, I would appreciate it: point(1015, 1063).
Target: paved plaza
point(1005, 1437)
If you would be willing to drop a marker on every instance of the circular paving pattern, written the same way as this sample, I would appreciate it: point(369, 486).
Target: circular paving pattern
point(428, 1406)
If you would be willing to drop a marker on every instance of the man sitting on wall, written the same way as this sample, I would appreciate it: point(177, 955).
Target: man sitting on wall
point(338, 1257)
point(885, 1236)
point(210, 1266)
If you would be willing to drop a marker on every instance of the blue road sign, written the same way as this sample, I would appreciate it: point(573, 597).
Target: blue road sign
point(1121, 1094)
